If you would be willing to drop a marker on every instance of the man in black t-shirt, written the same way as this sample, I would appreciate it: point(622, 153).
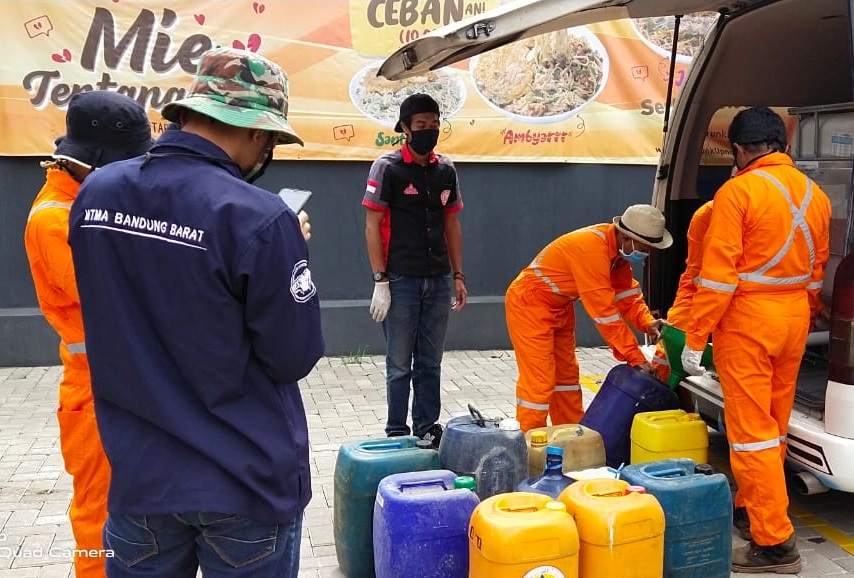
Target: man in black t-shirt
point(414, 240)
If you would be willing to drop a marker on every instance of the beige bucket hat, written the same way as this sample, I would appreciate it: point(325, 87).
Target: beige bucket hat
point(644, 223)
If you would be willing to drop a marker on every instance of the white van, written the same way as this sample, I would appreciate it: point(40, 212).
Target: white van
point(794, 54)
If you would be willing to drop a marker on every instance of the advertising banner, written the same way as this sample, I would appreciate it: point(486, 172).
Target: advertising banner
point(588, 94)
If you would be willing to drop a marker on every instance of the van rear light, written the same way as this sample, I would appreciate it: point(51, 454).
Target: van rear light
point(841, 368)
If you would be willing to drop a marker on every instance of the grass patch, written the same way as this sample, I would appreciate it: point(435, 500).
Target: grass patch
point(355, 357)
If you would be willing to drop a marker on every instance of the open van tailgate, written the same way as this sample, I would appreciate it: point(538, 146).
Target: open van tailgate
point(526, 18)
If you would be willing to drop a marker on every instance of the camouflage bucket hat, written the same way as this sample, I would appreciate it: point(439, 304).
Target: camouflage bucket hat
point(239, 88)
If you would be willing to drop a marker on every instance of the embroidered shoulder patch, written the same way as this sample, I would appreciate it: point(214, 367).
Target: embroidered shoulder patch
point(302, 288)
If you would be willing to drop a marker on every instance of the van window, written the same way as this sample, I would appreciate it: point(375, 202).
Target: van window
point(823, 148)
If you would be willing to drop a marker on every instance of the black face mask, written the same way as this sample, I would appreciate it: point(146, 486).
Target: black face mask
point(424, 141)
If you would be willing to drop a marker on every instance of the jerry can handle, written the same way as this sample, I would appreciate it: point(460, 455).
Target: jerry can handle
point(608, 494)
point(668, 473)
point(658, 416)
point(477, 416)
point(433, 485)
point(382, 446)
point(520, 508)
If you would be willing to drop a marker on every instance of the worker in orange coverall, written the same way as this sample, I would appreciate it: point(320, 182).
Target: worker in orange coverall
point(101, 127)
point(763, 265)
point(592, 264)
point(679, 313)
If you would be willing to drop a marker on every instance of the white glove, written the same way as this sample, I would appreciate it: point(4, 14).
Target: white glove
point(691, 361)
point(381, 301)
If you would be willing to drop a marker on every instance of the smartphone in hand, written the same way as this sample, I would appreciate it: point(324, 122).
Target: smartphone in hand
point(295, 198)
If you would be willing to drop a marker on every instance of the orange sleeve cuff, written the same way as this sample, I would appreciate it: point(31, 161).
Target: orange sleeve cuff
point(636, 358)
point(697, 342)
point(648, 320)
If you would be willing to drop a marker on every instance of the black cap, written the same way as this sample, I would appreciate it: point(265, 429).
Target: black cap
point(758, 125)
point(103, 127)
point(414, 104)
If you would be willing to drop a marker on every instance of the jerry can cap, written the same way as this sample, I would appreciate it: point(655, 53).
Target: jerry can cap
point(554, 451)
point(424, 445)
point(539, 437)
point(556, 506)
point(635, 490)
point(464, 482)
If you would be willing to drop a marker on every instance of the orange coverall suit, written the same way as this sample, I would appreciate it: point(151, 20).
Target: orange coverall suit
point(586, 265)
point(679, 313)
point(46, 242)
point(763, 265)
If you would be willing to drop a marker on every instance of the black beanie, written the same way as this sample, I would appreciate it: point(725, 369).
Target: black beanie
point(758, 125)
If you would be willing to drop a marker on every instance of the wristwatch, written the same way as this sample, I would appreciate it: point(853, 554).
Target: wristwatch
point(379, 276)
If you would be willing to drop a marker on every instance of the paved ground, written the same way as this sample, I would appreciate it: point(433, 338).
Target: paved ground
point(345, 401)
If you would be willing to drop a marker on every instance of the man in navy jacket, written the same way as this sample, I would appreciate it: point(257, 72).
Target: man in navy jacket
point(200, 317)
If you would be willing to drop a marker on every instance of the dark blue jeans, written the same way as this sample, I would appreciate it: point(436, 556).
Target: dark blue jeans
point(223, 545)
point(415, 337)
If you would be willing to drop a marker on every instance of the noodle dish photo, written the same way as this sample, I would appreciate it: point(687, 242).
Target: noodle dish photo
point(543, 79)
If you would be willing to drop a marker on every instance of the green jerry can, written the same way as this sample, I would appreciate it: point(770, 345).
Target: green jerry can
point(359, 468)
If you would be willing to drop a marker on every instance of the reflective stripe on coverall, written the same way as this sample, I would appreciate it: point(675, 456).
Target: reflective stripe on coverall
point(763, 265)
point(679, 313)
point(586, 265)
point(46, 243)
